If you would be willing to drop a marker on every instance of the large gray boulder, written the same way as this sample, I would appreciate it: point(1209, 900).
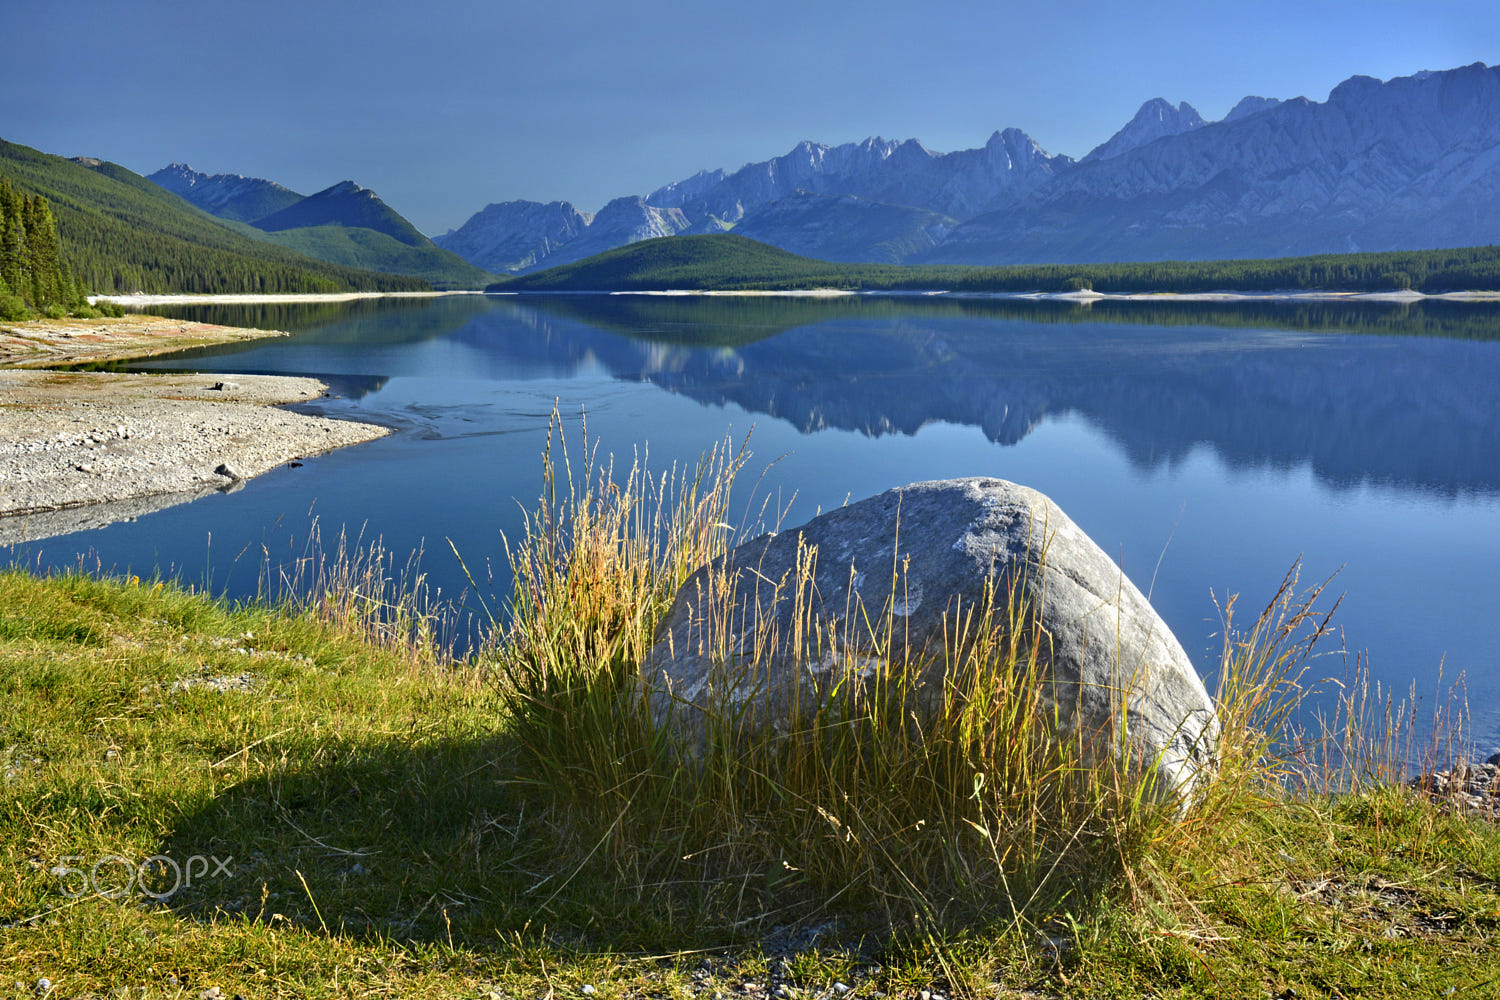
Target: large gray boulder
point(899, 568)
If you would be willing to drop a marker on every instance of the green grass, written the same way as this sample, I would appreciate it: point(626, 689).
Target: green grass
point(404, 824)
point(728, 262)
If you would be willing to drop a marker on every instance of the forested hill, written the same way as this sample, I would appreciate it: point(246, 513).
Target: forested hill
point(121, 233)
point(728, 262)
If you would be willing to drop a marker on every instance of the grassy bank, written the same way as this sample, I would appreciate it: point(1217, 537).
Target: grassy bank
point(374, 818)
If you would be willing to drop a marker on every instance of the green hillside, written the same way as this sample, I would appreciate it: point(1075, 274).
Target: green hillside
point(728, 262)
point(718, 261)
point(122, 233)
point(374, 251)
point(344, 204)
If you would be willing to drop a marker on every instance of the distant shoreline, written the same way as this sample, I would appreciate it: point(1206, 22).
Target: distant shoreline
point(144, 299)
point(1082, 298)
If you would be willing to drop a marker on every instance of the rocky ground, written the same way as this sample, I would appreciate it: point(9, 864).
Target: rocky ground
point(1472, 788)
point(84, 449)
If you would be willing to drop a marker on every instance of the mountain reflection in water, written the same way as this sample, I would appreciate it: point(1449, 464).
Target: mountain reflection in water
point(1412, 411)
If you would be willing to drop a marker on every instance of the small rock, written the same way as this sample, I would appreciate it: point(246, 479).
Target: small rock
point(43, 985)
point(924, 995)
point(226, 386)
point(212, 993)
point(225, 469)
point(588, 990)
point(840, 988)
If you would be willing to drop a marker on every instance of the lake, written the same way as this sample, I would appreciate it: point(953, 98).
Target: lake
point(1205, 447)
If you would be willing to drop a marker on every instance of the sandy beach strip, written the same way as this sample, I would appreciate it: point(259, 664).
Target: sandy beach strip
point(48, 343)
point(141, 300)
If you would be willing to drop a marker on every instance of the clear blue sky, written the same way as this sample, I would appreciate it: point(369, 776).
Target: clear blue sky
point(443, 106)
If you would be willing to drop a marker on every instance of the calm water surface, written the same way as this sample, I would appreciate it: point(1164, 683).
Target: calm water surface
point(1205, 448)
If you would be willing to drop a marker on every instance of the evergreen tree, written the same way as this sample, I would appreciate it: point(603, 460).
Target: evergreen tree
point(48, 276)
point(12, 238)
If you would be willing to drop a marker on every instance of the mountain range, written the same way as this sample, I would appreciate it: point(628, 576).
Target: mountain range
point(1413, 162)
point(344, 224)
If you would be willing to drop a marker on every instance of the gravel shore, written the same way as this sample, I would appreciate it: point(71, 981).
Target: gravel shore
point(85, 449)
point(72, 440)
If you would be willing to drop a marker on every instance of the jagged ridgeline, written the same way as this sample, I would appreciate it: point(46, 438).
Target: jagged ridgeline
point(118, 232)
point(31, 262)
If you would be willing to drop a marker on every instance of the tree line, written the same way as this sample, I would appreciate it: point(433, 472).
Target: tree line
point(729, 262)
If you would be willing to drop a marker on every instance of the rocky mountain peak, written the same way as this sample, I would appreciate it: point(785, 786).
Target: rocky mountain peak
point(1017, 145)
point(515, 235)
point(1156, 119)
point(1248, 106)
point(181, 172)
point(1354, 90)
point(229, 196)
point(675, 195)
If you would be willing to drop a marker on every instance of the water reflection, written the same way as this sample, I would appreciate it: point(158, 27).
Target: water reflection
point(1413, 411)
point(1361, 393)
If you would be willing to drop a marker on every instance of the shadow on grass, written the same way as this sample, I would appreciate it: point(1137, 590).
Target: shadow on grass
point(397, 841)
point(440, 842)
point(446, 843)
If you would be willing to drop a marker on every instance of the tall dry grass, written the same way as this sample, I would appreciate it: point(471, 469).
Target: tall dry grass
point(903, 792)
point(359, 588)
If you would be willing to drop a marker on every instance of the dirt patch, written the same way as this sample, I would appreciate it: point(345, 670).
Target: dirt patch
point(51, 342)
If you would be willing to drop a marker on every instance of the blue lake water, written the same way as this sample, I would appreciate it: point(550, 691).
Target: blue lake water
point(1205, 448)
